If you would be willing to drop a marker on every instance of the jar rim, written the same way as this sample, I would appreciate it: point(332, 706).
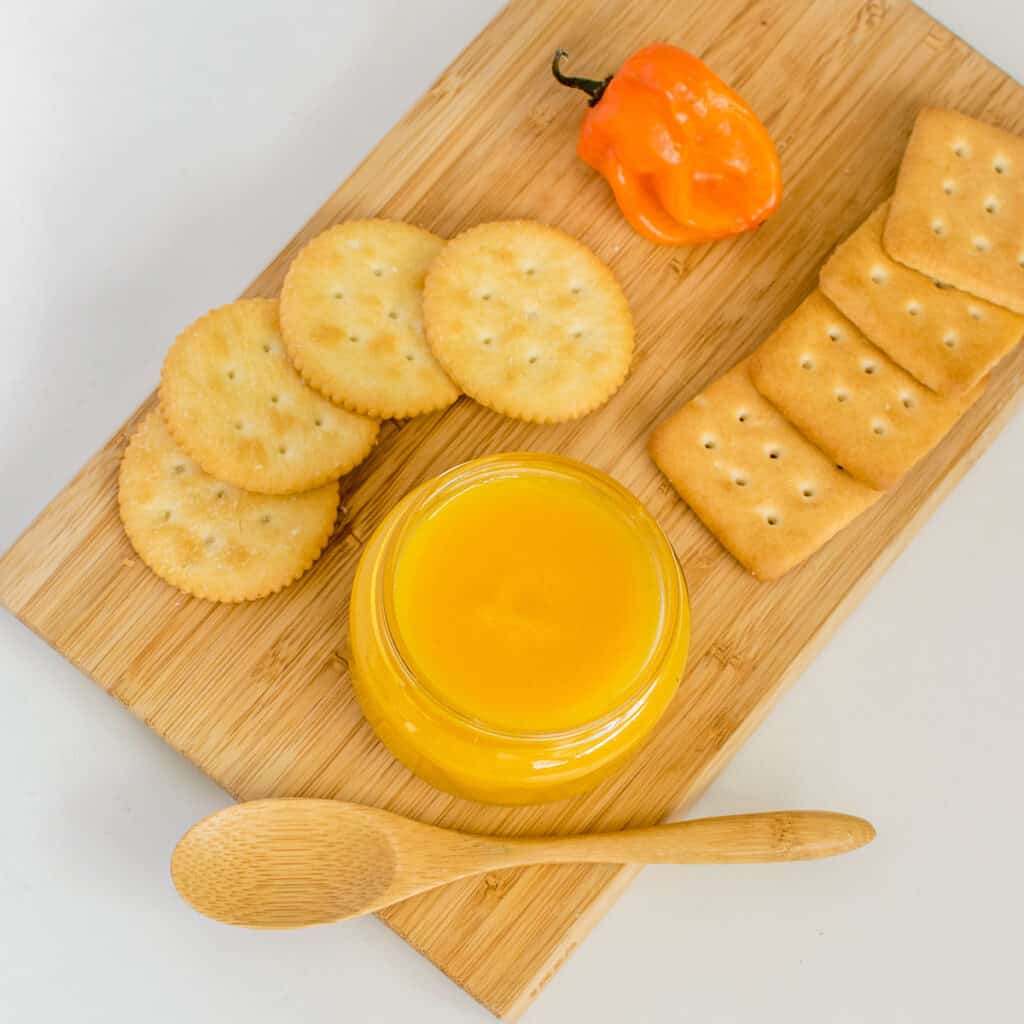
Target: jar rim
point(444, 486)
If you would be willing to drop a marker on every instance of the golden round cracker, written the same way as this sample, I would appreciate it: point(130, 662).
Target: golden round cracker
point(234, 402)
point(528, 321)
point(352, 319)
point(209, 538)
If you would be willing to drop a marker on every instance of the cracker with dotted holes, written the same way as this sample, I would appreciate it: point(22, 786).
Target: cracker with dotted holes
point(236, 404)
point(352, 319)
point(764, 491)
point(946, 338)
point(958, 210)
point(528, 321)
point(207, 537)
point(848, 397)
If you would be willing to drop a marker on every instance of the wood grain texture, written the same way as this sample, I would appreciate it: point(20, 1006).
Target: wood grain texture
point(258, 696)
point(297, 861)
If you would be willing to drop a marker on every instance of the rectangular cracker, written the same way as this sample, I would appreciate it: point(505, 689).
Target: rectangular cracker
point(848, 397)
point(946, 338)
point(765, 492)
point(958, 210)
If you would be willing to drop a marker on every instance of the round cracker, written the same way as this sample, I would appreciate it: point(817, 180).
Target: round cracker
point(528, 321)
point(234, 402)
point(209, 538)
point(352, 319)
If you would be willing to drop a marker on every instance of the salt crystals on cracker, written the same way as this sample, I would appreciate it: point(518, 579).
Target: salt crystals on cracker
point(207, 537)
point(528, 321)
point(234, 402)
point(352, 319)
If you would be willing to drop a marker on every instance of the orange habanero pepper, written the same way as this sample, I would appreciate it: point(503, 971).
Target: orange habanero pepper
point(687, 159)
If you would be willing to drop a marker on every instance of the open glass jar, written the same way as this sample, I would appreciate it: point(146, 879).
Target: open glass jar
point(518, 626)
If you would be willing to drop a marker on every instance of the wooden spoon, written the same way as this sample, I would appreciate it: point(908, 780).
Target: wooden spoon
point(294, 862)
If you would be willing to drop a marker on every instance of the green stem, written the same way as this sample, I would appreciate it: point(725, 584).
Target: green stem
point(593, 87)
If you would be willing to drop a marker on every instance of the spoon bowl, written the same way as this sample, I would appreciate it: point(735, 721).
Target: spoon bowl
point(287, 863)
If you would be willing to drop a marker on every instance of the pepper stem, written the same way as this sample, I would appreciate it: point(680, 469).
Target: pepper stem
point(593, 87)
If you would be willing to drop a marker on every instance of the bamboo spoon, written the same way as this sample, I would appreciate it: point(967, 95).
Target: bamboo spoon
point(294, 862)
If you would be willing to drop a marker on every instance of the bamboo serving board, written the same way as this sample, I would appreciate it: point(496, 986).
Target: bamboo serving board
point(258, 696)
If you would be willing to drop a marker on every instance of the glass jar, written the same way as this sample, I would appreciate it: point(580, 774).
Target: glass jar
point(460, 752)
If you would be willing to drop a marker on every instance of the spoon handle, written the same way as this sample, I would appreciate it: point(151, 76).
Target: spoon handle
point(734, 839)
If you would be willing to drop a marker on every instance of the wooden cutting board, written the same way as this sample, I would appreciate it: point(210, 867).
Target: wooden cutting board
point(258, 696)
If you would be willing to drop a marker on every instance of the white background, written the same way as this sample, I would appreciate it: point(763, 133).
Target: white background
point(154, 156)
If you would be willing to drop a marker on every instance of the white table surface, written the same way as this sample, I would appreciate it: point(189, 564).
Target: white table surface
point(155, 156)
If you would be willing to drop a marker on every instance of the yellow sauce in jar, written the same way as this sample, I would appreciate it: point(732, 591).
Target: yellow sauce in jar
point(518, 626)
